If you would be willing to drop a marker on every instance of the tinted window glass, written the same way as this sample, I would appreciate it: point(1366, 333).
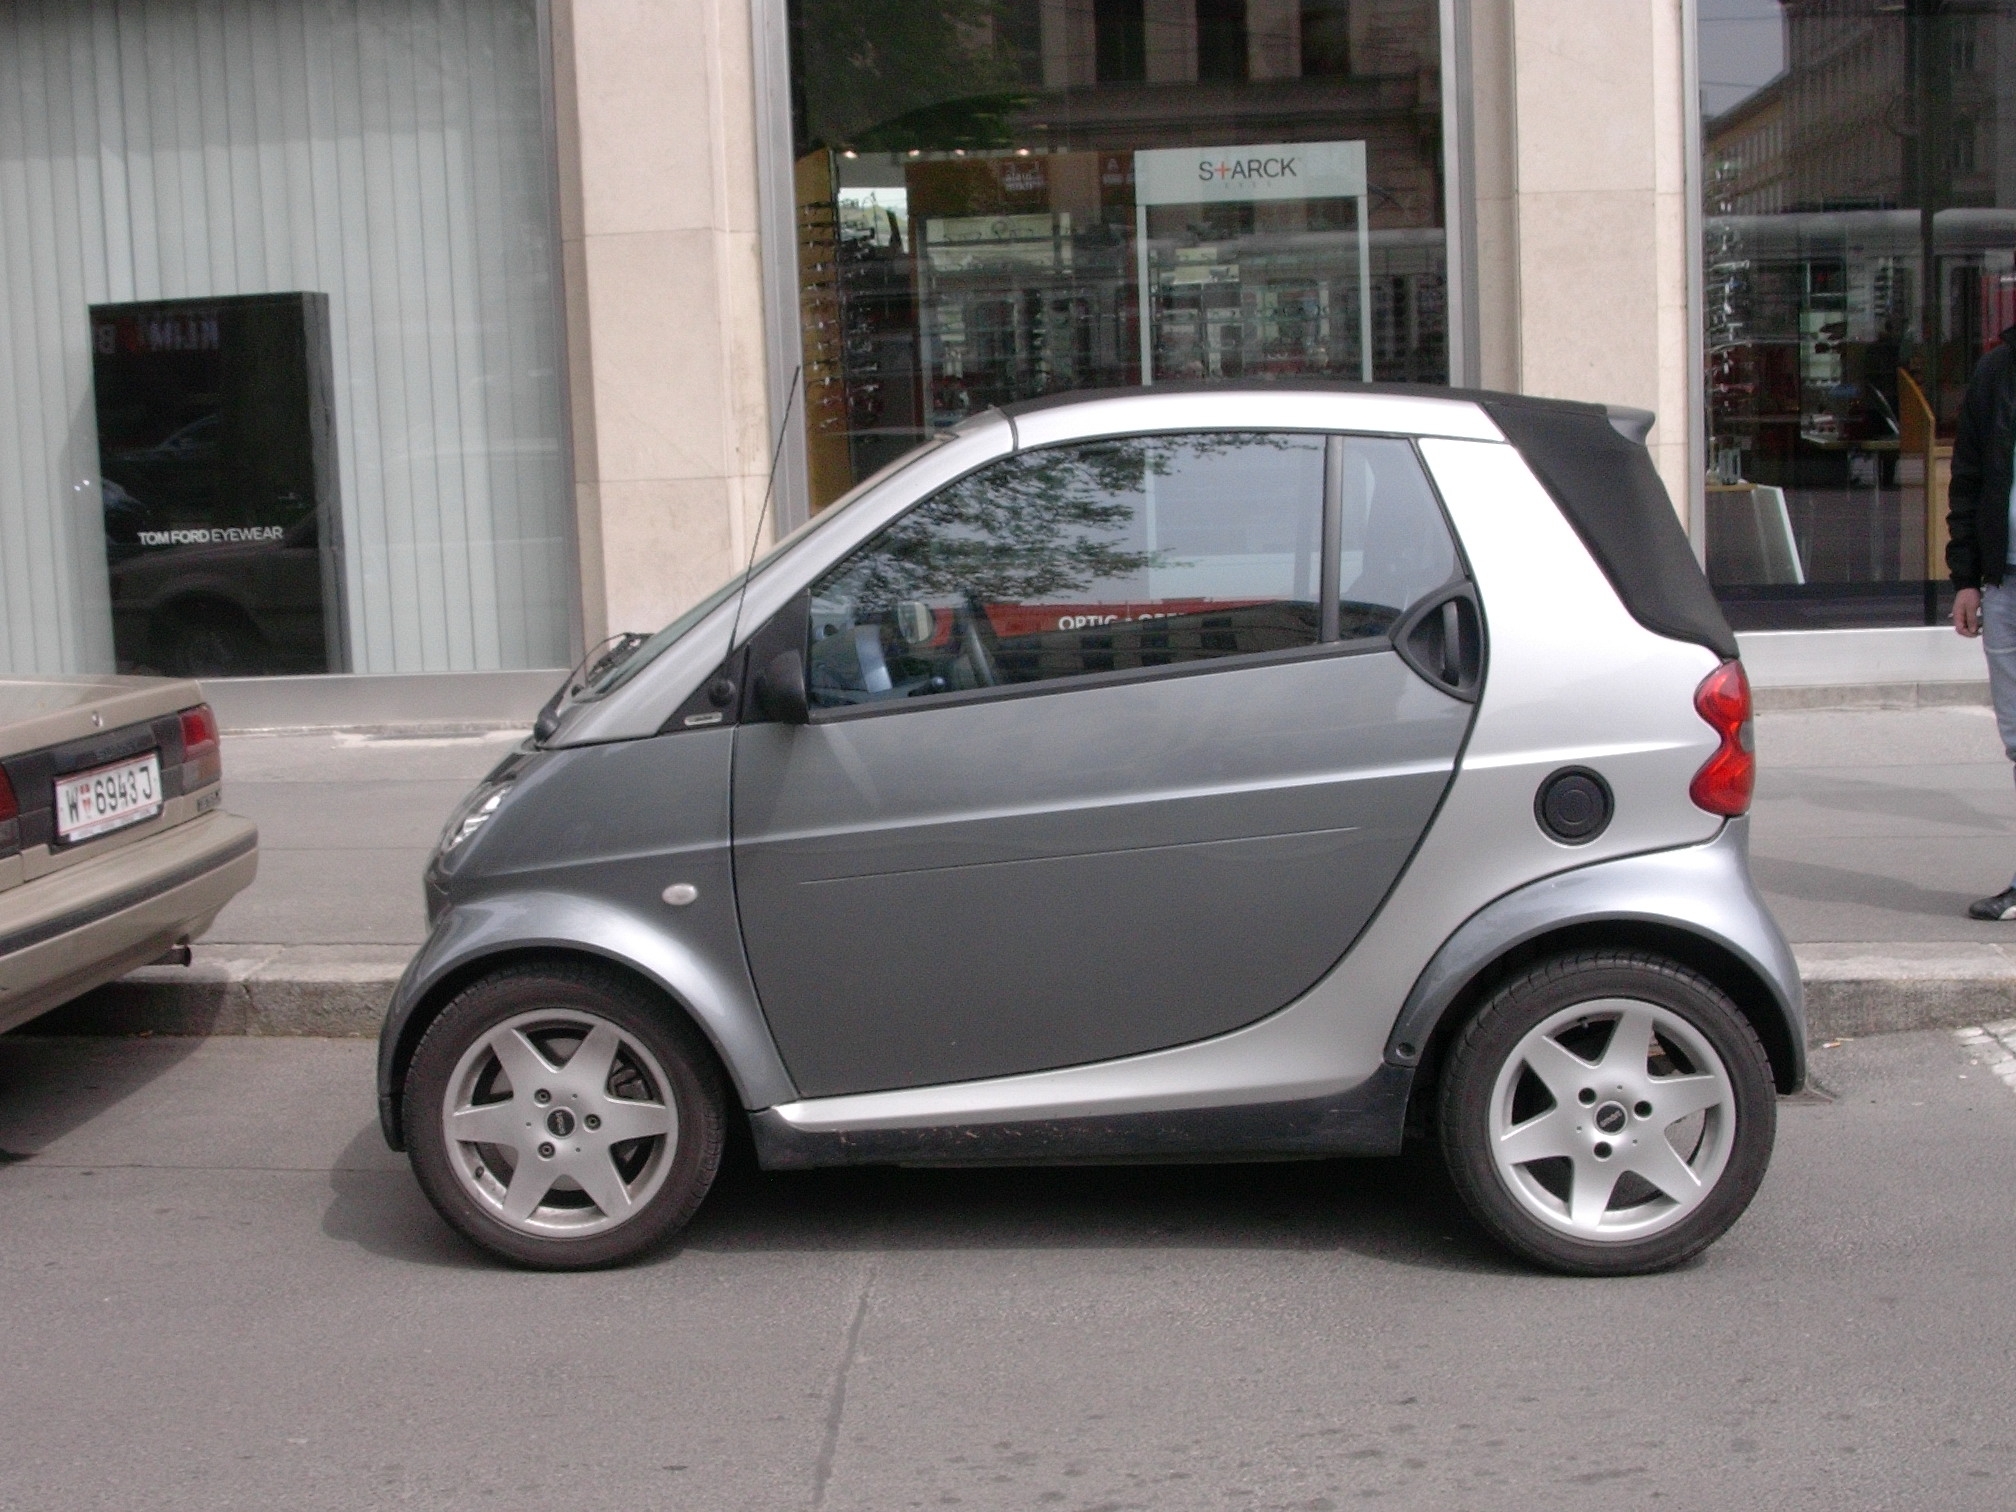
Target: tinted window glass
point(1395, 546)
point(1096, 557)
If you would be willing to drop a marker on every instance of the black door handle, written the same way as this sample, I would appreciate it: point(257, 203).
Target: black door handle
point(1442, 638)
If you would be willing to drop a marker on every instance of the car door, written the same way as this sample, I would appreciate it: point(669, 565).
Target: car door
point(1110, 749)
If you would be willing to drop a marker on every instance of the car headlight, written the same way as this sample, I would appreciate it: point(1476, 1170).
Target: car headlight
point(470, 816)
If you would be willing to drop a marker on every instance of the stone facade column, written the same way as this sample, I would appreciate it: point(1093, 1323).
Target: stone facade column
point(655, 111)
point(1581, 209)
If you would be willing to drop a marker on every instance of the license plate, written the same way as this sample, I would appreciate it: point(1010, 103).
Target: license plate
point(108, 797)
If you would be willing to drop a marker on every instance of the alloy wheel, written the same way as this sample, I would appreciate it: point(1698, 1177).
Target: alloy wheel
point(1612, 1120)
point(559, 1123)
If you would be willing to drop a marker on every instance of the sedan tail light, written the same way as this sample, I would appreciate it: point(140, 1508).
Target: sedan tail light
point(10, 817)
point(202, 757)
point(1724, 783)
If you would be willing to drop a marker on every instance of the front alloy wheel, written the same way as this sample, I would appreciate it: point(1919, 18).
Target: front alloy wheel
point(1608, 1113)
point(562, 1117)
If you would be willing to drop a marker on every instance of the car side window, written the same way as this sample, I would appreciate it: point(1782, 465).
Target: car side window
point(1101, 556)
point(1394, 545)
point(1124, 554)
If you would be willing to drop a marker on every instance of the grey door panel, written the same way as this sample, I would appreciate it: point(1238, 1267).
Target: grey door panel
point(946, 892)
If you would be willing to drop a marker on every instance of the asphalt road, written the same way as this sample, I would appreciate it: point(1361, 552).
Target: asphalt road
point(221, 1292)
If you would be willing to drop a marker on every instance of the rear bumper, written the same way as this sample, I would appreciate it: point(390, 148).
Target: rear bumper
point(72, 930)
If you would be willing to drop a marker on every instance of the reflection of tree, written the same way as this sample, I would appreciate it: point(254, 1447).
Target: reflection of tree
point(865, 63)
point(1030, 527)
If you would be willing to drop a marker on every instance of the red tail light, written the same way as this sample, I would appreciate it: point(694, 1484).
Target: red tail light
point(202, 758)
point(9, 808)
point(1725, 780)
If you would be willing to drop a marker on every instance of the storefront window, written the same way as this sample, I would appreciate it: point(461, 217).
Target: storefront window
point(279, 354)
point(1860, 223)
point(999, 199)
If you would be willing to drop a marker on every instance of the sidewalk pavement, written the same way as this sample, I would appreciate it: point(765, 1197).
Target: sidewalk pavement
point(1872, 830)
point(314, 946)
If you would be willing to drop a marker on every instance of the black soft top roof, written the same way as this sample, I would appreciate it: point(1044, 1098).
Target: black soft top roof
point(1592, 459)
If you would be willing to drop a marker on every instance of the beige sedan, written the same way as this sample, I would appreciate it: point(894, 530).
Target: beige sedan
point(114, 849)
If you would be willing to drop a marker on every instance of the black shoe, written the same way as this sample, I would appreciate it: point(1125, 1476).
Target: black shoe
point(2001, 906)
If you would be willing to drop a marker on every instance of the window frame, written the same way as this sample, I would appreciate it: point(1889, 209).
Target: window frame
point(797, 615)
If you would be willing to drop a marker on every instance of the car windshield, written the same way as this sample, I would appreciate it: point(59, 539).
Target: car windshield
point(653, 648)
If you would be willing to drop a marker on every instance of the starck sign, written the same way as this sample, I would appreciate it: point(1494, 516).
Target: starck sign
point(1272, 171)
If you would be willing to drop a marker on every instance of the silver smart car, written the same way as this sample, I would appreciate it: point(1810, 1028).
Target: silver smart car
point(1176, 773)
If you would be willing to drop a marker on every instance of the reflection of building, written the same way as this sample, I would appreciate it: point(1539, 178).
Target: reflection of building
point(1864, 89)
point(1748, 169)
point(1845, 84)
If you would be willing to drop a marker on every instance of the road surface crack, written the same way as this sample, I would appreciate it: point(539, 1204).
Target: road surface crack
point(836, 1402)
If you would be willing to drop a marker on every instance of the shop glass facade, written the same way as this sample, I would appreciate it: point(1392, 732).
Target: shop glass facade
point(1000, 199)
point(1859, 182)
point(279, 352)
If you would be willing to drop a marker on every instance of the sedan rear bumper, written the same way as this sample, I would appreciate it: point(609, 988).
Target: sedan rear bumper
point(85, 925)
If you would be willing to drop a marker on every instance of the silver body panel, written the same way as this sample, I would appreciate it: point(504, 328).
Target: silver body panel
point(1284, 410)
point(1572, 678)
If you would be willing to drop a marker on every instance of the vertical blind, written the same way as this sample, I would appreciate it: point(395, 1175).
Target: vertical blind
point(388, 153)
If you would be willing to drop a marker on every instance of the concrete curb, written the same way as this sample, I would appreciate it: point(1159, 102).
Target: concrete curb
point(332, 991)
point(1895, 695)
point(1853, 990)
point(341, 991)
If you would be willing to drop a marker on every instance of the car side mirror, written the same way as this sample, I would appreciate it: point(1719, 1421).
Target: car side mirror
point(780, 689)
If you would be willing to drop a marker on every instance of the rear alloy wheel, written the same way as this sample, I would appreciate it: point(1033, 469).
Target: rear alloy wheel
point(562, 1118)
point(1608, 1113)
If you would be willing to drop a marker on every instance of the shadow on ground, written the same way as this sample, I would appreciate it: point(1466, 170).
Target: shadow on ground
point(379, 1209)
point(1402, 1210)
point(1815, 883)
point(52, 1084)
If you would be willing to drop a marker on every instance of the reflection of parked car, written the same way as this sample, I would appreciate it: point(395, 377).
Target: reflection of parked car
point(196, 439)
point(1191, 773)
point(180, 475)
point(125, 518)
point(113, 849)
point(211, 607)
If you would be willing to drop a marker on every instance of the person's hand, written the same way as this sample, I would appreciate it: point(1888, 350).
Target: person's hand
point(1967, 612)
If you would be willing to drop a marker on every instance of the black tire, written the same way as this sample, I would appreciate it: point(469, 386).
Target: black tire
point(555, 1004)
point(208, 640)
point(1530, 1206)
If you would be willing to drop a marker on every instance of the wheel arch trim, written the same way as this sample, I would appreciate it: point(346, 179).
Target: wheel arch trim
point(484, 935)
point(1696, 903)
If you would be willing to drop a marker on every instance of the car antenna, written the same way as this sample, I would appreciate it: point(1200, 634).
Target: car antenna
point(769, 487)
